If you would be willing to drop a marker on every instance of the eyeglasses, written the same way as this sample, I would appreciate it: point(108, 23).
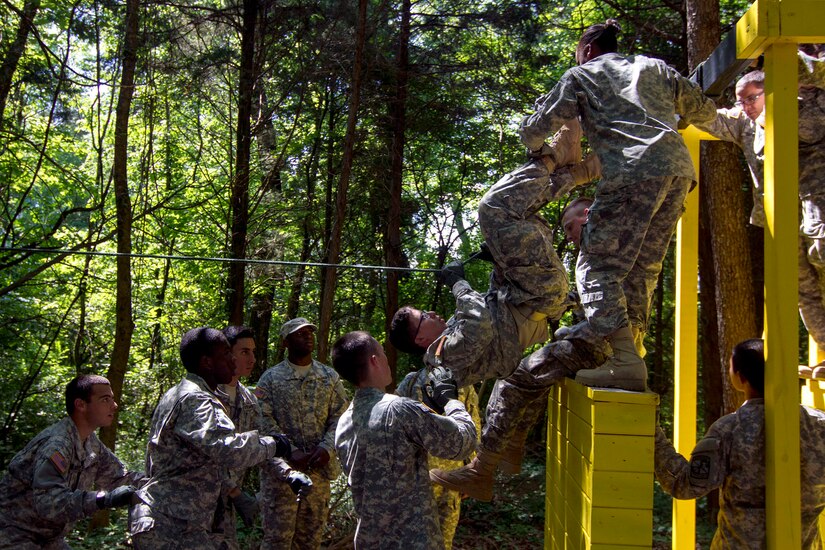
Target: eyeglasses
point(424, 315)
point(750, 100)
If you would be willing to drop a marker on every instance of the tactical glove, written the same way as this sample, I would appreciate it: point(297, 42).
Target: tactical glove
point(319, 458)
point(439, 389)
point(247, 507)
point(451, 273)
point(283, 448)
point(299, 482)
point(117, 498)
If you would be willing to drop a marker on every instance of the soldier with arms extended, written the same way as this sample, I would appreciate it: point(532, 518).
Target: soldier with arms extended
point(744, 125)
point(192, 445)
point(448, 501)
point(51, 483)
point(303, 398)
point(731, 458)
point(383, 440)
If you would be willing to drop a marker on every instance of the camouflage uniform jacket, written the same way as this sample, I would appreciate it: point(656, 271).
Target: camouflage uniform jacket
point(412, 386)
point(245, 413)
point(382, 442)
point(731, 457)
point(627, 107)
point(734, 125)
point(191, 443)
point(481, 339)
point(50, 482)
point(305, 409)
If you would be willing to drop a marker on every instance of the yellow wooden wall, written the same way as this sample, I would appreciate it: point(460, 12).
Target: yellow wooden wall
point(599, 491)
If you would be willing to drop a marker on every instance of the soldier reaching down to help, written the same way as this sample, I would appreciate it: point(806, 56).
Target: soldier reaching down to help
point(731, 458)
point(65, 473)
point(382, 441)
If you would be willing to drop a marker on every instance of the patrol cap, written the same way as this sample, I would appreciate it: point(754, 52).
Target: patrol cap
point(295, 324)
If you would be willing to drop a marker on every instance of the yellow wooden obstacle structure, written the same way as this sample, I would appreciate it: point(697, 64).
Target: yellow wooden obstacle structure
point(599, 492)
point(576, 515)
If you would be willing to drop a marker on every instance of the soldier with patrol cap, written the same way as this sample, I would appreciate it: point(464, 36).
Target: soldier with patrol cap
point(302, 398)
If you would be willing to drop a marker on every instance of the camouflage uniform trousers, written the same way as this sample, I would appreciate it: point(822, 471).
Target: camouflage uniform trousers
point(170, 533)
point(624, 242)
point(521, 241)
point(812, 267)
point(288, 523)
point(14, 538)
point(523, 393)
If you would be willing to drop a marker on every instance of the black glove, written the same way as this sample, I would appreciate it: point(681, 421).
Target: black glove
point(117, 498)
point(451, 273)
point(440, 389)
point(299, 482)
point(247, 507)
point(283, 448)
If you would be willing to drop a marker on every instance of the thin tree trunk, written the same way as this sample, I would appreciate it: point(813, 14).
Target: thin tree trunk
point(15, 52)
point(124, 325)
point(392, 236)
point(334, 246)
point(236, 282)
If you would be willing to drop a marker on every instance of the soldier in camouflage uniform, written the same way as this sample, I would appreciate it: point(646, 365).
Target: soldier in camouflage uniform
point(304, 399)
point(447, 501)
point(731, 457)
point(512, 407)
point(51, 482)
point(527, 269)
point(245, 413)
point(192, 445)
point(744, 126)
point(383, 441)
point(627, 107)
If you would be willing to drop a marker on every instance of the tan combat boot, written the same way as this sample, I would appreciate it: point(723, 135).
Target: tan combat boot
point(474, 480)
point(565, 147)
point(587, 170)
point(625, 370)
point(511, 459)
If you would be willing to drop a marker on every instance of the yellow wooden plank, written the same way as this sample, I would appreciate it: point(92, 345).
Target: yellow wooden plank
point(581, 405)
point(579, 469)
point(578, 504)
point(622, 490)
point(781, 321)
point(686, 332)
point(621, 526)
point(623, 453)
point(611, 394)
point(813, 394)
point(618, 547)
point(573, 530)
point(802, 20)
point(757, 28)
point(624, 418)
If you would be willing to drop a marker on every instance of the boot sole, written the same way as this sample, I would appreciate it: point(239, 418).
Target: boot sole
point(484, 496)
point(630, 385)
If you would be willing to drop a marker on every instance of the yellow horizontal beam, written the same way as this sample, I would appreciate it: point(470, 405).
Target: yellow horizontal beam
point(768, 21)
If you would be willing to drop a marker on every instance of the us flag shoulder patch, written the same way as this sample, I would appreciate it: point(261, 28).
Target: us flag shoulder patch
point(259, 393)
point(59, 462)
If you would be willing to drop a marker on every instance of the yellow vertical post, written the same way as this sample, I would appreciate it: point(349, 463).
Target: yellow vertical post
point(815, 355)
point(684, 405)
point(781, 286)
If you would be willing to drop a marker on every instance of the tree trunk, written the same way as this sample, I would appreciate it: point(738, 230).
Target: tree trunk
point(334, 245)
point(240, 186)
point(722, 189)
point(392, 236)
point(124, 326)
point(15, 51)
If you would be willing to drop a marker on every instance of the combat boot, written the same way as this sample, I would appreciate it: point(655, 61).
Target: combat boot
point(625, 370)
point(564, 148)
point(511, 459)
point(587, 170)
point(474, 480)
